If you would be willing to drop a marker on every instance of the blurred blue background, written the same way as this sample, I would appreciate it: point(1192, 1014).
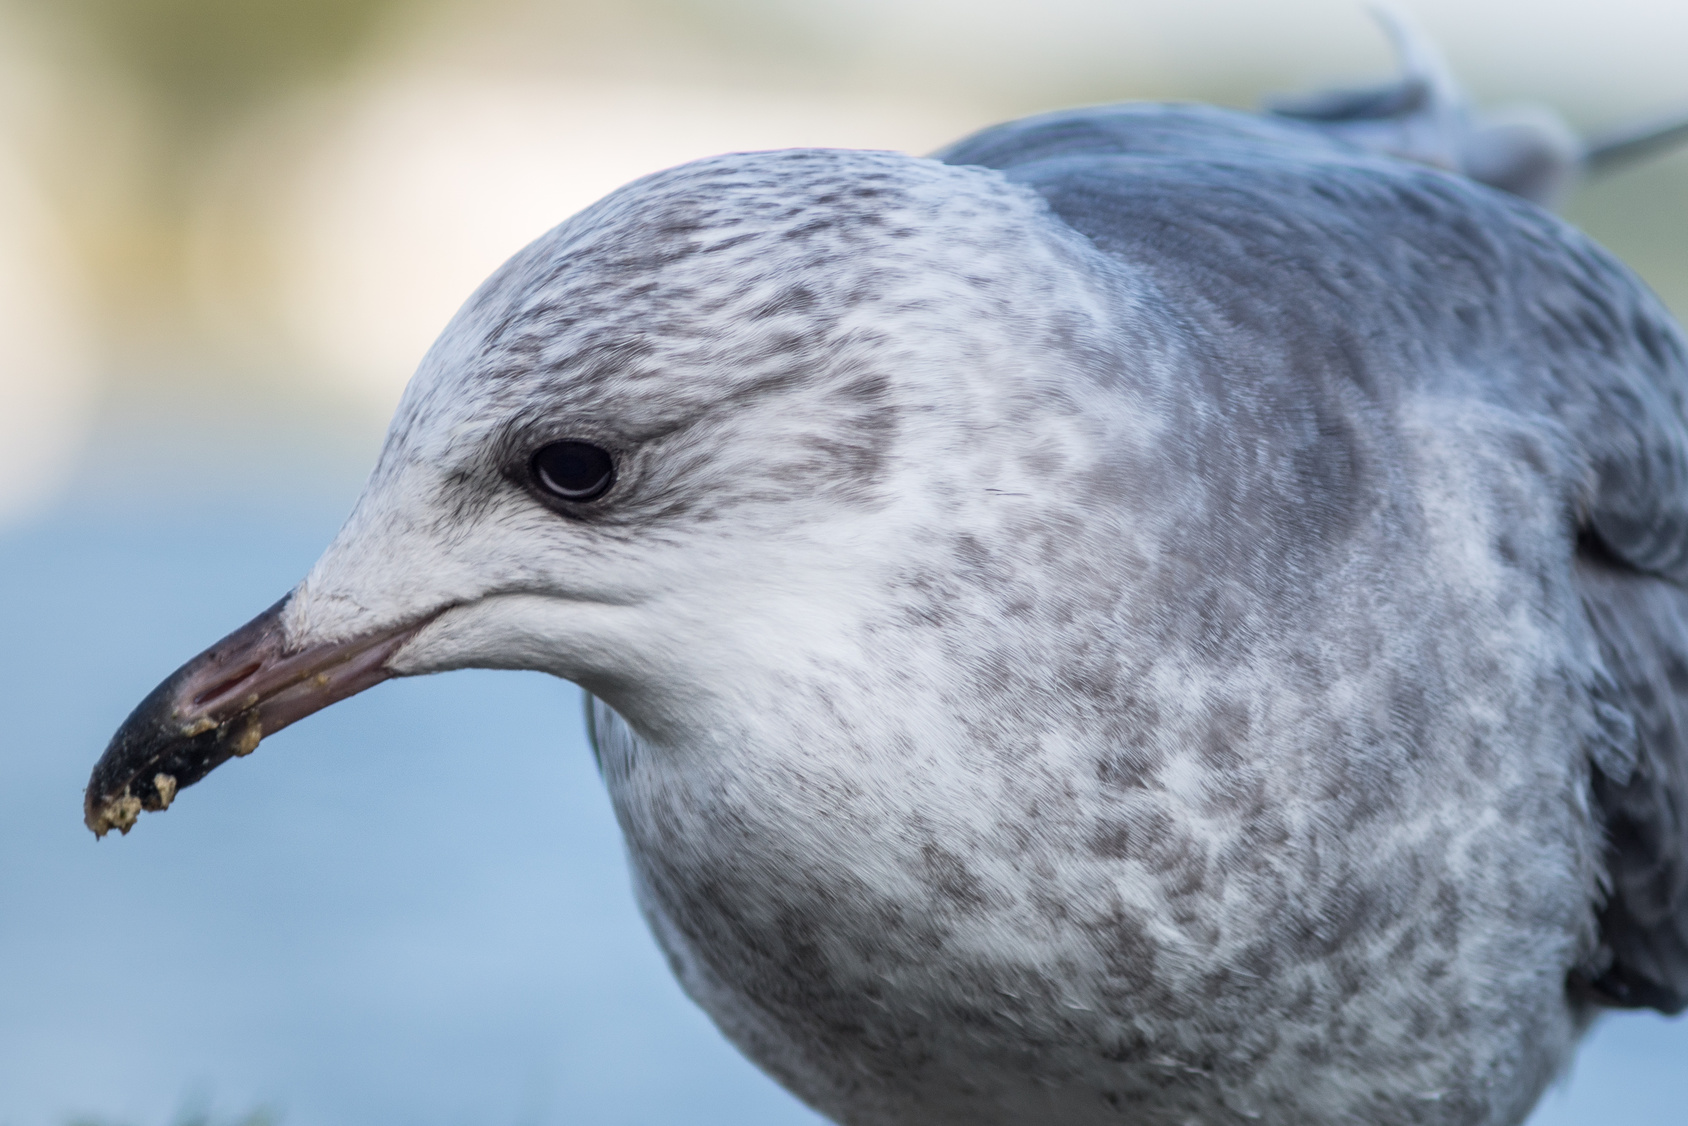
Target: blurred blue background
point(228, 228)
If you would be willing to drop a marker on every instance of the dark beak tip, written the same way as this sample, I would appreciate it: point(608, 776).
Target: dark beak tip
point(219, 706)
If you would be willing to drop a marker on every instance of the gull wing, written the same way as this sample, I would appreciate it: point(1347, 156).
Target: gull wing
point(1642, 623)
point(1345, 280)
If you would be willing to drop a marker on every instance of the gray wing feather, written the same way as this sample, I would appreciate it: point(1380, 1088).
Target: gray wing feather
point(1330, 274)
point(1642, 623)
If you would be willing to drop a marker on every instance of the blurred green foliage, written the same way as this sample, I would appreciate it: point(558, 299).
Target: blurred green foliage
point(207, 61)
point(193, 73)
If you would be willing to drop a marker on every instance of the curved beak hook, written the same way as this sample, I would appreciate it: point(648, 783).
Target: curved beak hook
point(219, 705)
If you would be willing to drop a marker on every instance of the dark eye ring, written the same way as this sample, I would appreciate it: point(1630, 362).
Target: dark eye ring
point(573, 471)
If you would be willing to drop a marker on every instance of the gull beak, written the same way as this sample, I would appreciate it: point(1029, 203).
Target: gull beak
point(220, 704)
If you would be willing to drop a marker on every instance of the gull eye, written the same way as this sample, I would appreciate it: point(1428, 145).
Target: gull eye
point(574, 471)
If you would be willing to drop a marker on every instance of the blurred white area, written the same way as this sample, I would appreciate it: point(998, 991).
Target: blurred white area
point(425, 180)
point(47, 367)
point(1611, 52)
point(46, 361)
point(427, 184)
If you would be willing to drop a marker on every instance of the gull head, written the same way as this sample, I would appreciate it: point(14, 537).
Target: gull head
point(686, 441)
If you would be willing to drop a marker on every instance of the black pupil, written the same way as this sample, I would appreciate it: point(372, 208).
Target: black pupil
point(574, 470)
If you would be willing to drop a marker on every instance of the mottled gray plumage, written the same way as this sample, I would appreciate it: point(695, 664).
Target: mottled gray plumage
point(1459, 294)
point(1158, 616)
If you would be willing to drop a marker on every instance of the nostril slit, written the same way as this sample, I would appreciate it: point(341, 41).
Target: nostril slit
point(224, 685)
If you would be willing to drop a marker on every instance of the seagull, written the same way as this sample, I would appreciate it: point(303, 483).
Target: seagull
point(1154, 615)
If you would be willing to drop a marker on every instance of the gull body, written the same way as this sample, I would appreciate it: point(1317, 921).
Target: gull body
point(1158, 616)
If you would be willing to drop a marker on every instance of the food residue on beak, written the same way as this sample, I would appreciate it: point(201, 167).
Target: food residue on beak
point(118, 813)
point(243, 744)
point(220, 705)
